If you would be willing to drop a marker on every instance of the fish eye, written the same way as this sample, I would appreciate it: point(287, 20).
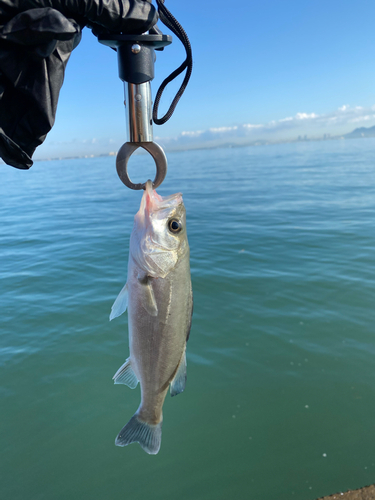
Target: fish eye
point(174, 226)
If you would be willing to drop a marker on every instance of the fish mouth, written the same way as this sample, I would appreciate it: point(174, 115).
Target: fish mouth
point(152, 201)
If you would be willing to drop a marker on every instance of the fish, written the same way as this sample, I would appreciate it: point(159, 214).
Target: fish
point(159, 300)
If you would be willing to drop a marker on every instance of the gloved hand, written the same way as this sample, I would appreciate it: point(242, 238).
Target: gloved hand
point(36, 40)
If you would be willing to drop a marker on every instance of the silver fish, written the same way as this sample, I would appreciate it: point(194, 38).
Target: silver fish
point(159, 300)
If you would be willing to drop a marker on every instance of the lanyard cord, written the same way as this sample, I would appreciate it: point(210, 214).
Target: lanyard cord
point(171, 22)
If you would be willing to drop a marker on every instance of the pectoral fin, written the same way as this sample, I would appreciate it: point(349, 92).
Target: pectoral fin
point(148, 296)
point(179, 381)
point(120, 304)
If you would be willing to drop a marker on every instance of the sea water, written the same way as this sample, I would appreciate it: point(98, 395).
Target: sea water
point(280, 396)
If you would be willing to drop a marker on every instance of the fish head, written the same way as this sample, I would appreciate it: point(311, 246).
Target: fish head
point(159, 236)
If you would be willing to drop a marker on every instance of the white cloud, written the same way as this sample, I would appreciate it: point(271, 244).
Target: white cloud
point(361, 118)
point(305, 116)
point(192, 133)
point(222, 129)
point(250, 125)
point(337, 122)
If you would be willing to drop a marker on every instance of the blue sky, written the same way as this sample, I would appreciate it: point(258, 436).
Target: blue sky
point(269, 69)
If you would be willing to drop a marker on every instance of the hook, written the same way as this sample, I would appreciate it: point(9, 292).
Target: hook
point(155, 151)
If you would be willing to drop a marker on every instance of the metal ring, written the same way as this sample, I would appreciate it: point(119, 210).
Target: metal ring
point(155, 151)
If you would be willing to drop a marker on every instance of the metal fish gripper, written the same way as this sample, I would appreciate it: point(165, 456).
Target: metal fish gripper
point(136, 57)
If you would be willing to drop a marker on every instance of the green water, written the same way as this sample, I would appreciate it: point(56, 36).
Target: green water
point(279, 401)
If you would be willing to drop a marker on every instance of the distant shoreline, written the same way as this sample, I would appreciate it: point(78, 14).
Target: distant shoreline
point(197, 147)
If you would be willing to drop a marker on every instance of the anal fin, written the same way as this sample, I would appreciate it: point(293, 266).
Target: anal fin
point(125, 375)
point(179, 381)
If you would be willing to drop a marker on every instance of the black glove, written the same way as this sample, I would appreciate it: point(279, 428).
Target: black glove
point(36, 40)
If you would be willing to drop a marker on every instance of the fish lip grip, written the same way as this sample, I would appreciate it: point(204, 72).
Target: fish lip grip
point(136, 57)
point(155, 151)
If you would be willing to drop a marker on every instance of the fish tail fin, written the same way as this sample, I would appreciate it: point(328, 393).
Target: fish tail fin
point(137, 431)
